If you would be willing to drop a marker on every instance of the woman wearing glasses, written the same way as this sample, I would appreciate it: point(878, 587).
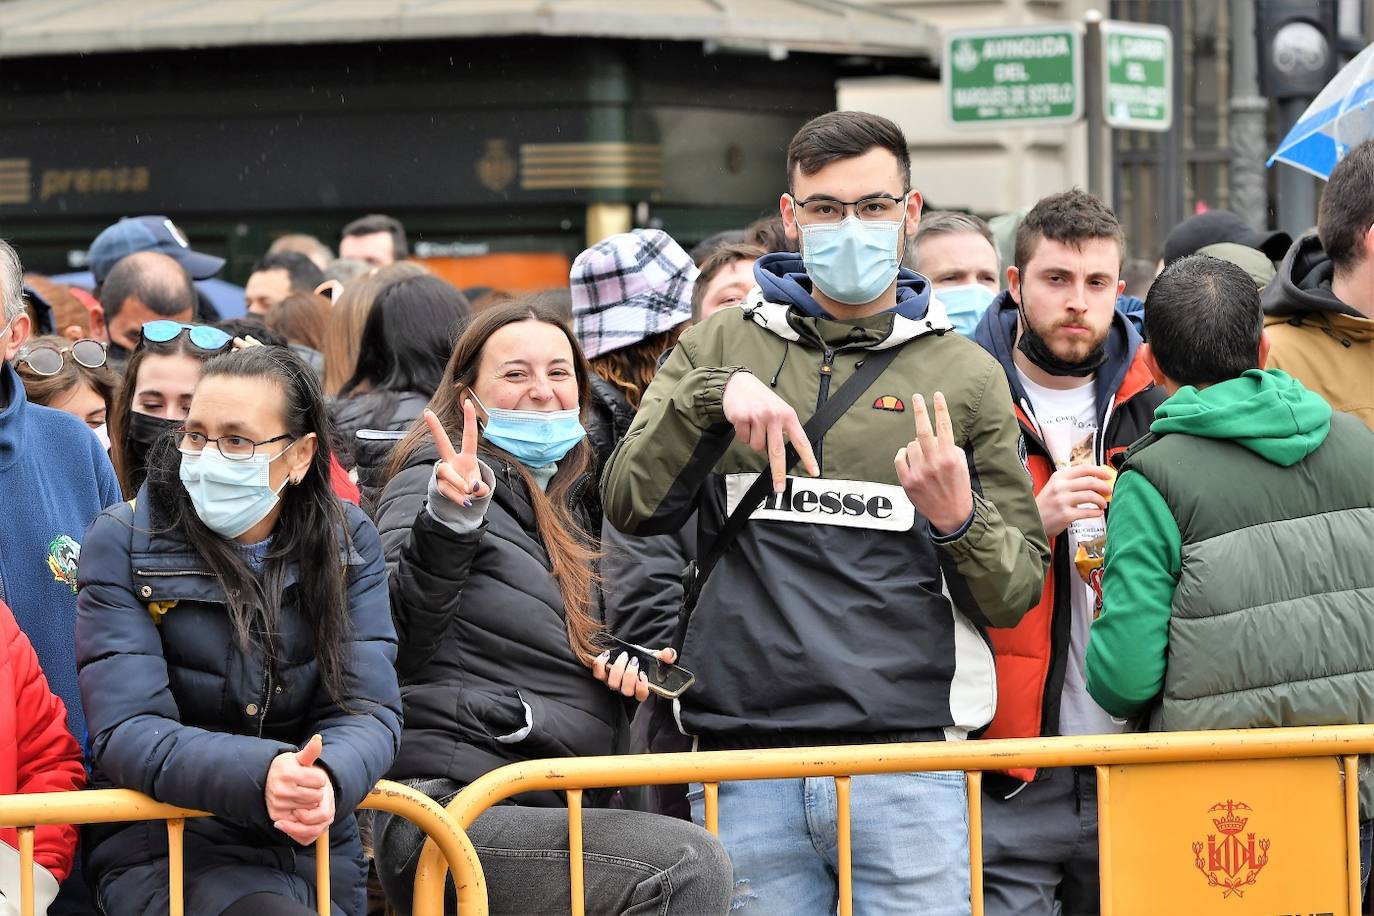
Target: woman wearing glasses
point(155, 394)
point(236, 654)
point(71, 376)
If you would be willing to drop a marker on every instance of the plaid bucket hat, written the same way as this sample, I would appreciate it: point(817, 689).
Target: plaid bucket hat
point(629, 287)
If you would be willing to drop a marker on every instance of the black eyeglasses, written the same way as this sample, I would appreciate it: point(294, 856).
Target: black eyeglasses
point(882, 208)
point(46, 360)
point(235, 448)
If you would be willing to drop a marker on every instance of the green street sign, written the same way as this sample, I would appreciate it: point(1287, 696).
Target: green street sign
point(1138, 70)
point(1000, 77)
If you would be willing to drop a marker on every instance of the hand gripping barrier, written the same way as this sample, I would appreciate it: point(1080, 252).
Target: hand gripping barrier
point(105, 806)
point(1266, 820)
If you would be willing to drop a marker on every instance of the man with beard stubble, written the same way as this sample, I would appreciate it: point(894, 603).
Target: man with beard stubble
point(1083, 394)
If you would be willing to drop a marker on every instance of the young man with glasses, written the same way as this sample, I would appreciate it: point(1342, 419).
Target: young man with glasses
point(850, 608)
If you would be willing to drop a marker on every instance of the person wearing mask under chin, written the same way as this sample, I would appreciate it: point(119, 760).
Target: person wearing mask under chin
point(501, 653)
point(237, 655)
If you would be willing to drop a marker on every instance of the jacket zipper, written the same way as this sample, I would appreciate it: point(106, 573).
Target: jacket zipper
point(266, 697)
point(826, 371)
point(166, 573)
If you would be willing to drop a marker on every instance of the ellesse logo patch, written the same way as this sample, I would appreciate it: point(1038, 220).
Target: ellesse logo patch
point(820, 501)
point(889, 402)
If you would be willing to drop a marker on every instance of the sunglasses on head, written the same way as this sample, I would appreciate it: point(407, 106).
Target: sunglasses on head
point(202, 335)
point(45, 359)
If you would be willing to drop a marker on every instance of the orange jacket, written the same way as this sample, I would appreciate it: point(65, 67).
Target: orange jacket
point(1031, 656)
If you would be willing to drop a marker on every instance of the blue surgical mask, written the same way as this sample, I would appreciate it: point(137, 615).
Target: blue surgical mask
point(965, 305)
point(853, 261)
point(535, 438)
point(229, 496)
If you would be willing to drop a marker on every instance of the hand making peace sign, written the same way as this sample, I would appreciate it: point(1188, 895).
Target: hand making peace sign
point(933, 470)
point(458, 473)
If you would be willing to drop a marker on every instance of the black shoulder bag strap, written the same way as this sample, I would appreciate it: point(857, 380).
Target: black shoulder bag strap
point(694, 576)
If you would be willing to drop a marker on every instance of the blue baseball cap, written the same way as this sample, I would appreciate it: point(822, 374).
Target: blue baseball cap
point(133, 234)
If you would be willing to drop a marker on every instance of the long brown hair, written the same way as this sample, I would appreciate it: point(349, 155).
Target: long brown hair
point(301, 318)
point(632, 368)
point(344, 335)
point(570, 550)
point(131, 473)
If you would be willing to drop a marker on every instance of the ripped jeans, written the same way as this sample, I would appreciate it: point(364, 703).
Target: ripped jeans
point(910, 844)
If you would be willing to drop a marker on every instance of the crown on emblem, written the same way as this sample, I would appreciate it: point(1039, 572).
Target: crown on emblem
point(1232, 823)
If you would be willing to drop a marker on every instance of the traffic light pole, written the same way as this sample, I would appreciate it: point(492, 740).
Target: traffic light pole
point(1099, 136)
point(1297, 191)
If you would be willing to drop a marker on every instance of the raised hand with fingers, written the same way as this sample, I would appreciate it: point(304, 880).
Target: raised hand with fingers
point(933, 469)
point(767, 424)
point(299, 794)
point(458, 473)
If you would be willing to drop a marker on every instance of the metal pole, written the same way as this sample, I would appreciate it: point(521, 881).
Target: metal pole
point(1249, 114)
point(1297, 203)
point(1099, 139)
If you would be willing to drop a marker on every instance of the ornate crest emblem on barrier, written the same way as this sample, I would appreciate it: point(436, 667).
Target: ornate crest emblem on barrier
point(1230, 862)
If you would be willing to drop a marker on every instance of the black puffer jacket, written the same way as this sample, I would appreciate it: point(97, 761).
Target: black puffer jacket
point(177, 710)
point(369, 426)
point(481, 630)
point(609, 417)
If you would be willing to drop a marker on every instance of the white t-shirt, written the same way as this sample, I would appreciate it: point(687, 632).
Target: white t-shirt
point(1068, 420)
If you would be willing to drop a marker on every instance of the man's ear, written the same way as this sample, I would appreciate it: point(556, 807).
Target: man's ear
point(1264, 350)
point(787, 207)
point(1120, 288)
point(1014, 283)
point(18, 333)
point(1147, 356)
point(98, 329)
point(913, 212)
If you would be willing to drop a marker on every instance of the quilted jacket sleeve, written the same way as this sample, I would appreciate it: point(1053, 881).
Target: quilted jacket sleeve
point(361, 741)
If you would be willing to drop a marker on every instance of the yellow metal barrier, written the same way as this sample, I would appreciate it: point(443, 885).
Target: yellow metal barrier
point(1150, 789)
point(107, 806)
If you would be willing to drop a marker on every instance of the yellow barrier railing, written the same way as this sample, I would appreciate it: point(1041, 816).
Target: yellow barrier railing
point(106, 806)
point(1113, 757)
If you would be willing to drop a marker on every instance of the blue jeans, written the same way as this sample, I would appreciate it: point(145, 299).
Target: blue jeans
point(910, 844)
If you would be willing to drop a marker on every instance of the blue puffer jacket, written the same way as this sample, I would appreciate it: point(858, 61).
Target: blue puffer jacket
point(176, 710)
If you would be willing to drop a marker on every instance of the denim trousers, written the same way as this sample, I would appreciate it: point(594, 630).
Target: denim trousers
point(909, 836)
point(634, 864)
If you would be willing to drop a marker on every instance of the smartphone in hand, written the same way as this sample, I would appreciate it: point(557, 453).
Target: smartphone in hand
point(666, 680)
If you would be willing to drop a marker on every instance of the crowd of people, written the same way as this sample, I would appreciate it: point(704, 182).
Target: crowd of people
point(854, 474)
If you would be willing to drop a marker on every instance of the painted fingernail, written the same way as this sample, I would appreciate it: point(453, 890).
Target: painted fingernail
point(604, 656)
point(643, 678)
point(467, 504)
point(634, 663)
point(622, 657)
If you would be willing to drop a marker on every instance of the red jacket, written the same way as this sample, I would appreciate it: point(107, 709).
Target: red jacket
point(1032, 656)
point(37, 752)
point(343, 485)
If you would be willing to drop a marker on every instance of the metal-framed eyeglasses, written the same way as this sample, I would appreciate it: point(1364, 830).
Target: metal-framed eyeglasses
point(821, 209)
point(235, 448)
point(47, 360)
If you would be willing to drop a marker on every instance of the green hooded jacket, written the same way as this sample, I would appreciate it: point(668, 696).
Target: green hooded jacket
point(1238, 591)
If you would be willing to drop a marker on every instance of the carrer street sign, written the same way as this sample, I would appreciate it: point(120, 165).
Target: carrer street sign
point(1137, 65)
point(1026, 76)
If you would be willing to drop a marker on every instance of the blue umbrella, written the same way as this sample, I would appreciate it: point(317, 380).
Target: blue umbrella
point(1339, 118)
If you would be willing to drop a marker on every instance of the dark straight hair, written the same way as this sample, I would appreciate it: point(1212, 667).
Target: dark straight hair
point(570, 549)
point(409, 335)
point(311, 533)
point(844, 135)
point(1204, 321)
